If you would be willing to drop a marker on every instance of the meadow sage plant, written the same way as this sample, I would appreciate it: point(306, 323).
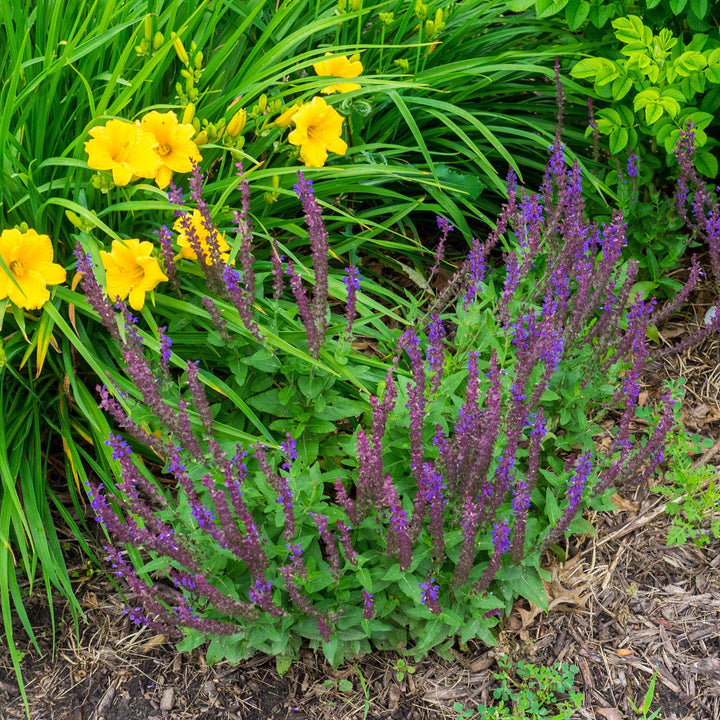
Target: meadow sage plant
point(468, 451)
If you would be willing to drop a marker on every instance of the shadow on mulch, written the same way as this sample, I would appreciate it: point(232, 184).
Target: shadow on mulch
point(624, 607)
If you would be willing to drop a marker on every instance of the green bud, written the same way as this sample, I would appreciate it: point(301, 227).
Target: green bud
point(158, 41)
point(420, 10)
point(429, 28)
point(140, 50)
point(341, 6)
point(179, 89)
point(188, 114)
point(193, 46)
point(196, 124)
point(189, 84)
point(148, 28)
point(240, 142)
point(185, 73)
point(387, 18)
point(198, 61)
point(403, 64)
point(193, 95)
point(262, 103)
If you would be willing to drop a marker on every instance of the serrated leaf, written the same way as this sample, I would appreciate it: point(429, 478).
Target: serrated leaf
point(526, 582)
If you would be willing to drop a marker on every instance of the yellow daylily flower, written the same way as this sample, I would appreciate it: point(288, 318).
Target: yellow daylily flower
point(123, 148)
point(130, 269)
point(186, 248)
point(342, 67)
point(317, 131)
point(28, 256)
point(175, 150)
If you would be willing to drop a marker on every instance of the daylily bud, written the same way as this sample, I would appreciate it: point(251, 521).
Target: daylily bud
point(429, 28)
point(262, 103)
point(286, 118)
point(181, 51)
point(341, 6)
point(201, 138)
point(196, 124)
point(198, 61)
point(420, 10)
point(189, 84)
point(148, 28)
point(387, 18)
point(212, 131)
point(189, 114)
point(192, 94)
point(402, 64)
point(179, 89)
point(237, 123)
point(158, 40)
point(355, 5)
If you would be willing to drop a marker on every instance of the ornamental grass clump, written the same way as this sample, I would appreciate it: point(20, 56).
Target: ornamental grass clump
point(404, 499)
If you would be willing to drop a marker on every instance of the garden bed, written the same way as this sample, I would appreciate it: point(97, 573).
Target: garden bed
point(623, 607)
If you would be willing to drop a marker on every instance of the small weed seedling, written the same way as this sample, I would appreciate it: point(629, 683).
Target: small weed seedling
point(529, 693)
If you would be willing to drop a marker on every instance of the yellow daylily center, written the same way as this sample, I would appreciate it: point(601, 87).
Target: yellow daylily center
point(17, 268)
point(164, 149)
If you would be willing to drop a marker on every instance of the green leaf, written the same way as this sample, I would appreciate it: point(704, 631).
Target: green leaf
point(677, 6)
point(629, 29)
point(621, 87)
point(653, 113)
point(706, 163)
point(699, 7)
point(552, 509)
point(520, 5)
point(618, 140)
point(576, 12)
point(546, 8)
point(526, 582)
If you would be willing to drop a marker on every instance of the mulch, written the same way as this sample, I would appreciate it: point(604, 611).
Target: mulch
point(624, 608)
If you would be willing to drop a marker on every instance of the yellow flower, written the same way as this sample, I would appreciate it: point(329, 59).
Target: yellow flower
point(125, 149)
point(341, 67)
point(28, 256)
point(186, 247)
point(131, 270)
point(317, 131)
point(285, 118)
point(175, 150)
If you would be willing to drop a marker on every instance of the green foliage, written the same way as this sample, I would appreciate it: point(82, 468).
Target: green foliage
point(593, 15)
point(692, 493)
point(652, 87)
point(419, 140)
point(644, 709)
point(528, 692)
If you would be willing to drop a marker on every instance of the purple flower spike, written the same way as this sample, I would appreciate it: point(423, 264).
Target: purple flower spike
point(430, 596)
